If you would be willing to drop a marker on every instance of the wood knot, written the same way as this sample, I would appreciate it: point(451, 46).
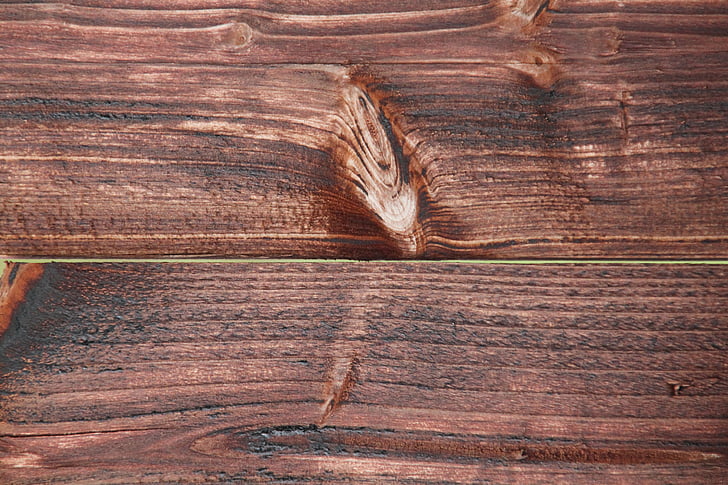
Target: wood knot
point(234, 34)
point(540, 64)
point(372, 161)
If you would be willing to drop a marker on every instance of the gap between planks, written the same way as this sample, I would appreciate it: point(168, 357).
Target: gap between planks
point(344, 260)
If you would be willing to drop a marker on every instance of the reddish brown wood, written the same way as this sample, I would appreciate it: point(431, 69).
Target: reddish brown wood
point(367, 373)
point(15, 281)
point(458, 129)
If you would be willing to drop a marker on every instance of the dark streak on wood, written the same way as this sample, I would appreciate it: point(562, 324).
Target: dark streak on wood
point(282, 440)
point(625, 119)
point(430, 372)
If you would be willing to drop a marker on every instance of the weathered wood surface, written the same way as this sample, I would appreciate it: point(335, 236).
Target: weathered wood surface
point(365, 373)
point(378, 129)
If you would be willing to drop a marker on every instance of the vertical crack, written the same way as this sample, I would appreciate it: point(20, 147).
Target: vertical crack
point(623, 115)
point(344, 375)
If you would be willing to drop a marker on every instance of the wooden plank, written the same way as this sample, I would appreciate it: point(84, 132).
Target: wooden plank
point(365, 372)
point(456, 129)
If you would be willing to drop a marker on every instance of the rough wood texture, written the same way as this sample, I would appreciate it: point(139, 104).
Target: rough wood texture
point(377, 129)
point(366, 373)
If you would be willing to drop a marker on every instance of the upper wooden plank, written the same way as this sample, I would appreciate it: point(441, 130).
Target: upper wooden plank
point(460, 129)
point(364, 373)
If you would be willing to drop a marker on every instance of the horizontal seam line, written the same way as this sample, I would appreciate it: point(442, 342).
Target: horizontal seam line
point(192, 259)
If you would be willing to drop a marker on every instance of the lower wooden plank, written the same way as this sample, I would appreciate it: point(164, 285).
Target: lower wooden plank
point(364, 373)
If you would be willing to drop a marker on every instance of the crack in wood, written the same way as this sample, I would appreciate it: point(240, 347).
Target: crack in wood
point(343, 378)
point(344, 367)
point(545, 7)
point(623, 115)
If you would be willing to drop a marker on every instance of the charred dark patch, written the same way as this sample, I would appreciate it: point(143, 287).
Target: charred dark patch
point(13, 273)
point(341, 441)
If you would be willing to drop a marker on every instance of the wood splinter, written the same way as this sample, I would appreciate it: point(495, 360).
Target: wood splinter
point(344, 376)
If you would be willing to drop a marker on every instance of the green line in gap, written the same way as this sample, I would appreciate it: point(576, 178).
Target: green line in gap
point(391, 261)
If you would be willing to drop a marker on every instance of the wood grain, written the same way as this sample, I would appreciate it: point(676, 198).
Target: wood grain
point(416, 129)
point(366, 373)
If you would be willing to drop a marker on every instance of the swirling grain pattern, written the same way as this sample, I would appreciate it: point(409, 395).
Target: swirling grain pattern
point(379, 172)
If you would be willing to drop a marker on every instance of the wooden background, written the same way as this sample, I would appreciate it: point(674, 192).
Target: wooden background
point(410, 130)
